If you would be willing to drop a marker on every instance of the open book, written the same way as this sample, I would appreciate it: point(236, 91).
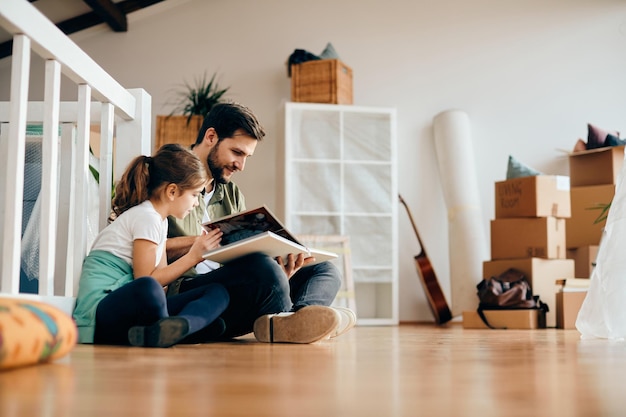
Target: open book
point(257, 230)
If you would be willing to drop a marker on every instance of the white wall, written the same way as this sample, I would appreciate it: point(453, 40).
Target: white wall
point(530, 74)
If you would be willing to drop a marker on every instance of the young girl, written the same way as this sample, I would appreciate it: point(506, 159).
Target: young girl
point(121, 298)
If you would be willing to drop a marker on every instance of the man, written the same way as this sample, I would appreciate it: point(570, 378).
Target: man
point(280, 302)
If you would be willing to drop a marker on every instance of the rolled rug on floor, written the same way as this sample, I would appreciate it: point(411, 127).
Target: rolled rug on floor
point(33, 332)
point(467, 240)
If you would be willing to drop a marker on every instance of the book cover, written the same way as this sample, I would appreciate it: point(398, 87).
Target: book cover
point(257, 230)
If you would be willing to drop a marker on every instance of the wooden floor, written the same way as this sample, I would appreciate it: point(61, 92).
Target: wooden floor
point(408, 370)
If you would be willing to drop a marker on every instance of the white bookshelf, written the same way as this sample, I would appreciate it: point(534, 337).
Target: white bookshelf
point(341, 179)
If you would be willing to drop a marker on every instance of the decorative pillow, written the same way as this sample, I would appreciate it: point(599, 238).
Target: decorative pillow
point(597, 136)
point(329, 52)
point(580, 146)
point(614, 141)
point(516, 169)
point(33, 332)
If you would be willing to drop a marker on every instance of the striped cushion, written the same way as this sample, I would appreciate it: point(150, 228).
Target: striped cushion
point(33, 332)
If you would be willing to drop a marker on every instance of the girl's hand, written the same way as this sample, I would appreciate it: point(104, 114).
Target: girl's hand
point(205, 242)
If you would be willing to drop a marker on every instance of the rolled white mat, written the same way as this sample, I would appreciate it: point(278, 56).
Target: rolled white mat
point(467, 241)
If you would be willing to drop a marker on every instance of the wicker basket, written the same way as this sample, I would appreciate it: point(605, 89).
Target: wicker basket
point(321, 81)
point(174, 129)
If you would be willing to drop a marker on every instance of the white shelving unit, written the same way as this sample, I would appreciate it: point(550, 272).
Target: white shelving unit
point(341, 179)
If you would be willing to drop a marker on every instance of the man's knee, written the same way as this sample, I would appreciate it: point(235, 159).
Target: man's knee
point(325, 271)
point(270, 280)
point(264, 266)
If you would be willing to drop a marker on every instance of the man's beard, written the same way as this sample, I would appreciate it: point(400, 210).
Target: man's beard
point(217, 170)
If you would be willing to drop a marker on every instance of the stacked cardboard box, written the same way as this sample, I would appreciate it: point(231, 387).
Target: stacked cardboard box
point(528, 234)
point(569, 299)
point(593, 175)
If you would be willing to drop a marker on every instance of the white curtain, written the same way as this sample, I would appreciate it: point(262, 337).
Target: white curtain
point(603, 313)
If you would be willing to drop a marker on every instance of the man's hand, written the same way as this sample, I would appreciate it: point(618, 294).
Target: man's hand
point(294, 263)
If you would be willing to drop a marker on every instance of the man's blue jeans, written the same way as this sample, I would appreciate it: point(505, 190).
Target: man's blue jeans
point(314, 285)
point(257, 285)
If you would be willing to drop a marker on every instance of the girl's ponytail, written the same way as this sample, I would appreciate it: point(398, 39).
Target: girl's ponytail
point(172, 164)
point(132, 188)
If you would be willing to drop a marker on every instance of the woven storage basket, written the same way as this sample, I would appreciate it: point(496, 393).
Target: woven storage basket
point(174, 129)
point(321, 81)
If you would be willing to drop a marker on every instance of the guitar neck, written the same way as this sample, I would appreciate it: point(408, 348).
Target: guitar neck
point(436, 298)
point(422, 250)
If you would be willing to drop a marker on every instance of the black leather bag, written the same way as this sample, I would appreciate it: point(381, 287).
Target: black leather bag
point(510, 290)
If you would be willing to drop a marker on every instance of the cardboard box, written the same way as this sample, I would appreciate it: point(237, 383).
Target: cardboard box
point(539, 237)
point(584, 259)
point(596, 166)
point(509, 319)
point(535, 196)
point(581, 229)
point(542, 275)
point(568, 304)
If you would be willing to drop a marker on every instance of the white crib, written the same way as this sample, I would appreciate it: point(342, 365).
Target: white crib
point(124, 117)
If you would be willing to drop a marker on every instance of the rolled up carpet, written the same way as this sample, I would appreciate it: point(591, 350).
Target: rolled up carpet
point(466, 228)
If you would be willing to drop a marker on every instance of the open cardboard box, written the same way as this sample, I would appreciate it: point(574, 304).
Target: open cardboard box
point(541, 274)
point(596, 166)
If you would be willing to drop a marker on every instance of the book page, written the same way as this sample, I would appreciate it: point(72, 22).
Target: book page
point(249, 223)
point(257, 230)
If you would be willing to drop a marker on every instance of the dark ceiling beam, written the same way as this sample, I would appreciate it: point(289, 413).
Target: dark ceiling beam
point(87, 20)
point(110, 13)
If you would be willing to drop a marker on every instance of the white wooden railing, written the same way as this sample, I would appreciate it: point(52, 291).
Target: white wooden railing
point(124, 118)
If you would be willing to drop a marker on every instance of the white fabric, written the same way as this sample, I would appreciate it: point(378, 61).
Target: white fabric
point(603, 313)
point(32, 231)
point(139, 222)
point(207, 266)
point(207, 197)
point(467, 241)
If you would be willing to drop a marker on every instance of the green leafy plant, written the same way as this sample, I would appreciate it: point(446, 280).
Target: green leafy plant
point(199, 97)
point(604, 213)
point(95, 173)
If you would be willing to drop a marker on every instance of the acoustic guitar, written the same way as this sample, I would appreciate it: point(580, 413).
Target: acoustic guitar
point(436, 298)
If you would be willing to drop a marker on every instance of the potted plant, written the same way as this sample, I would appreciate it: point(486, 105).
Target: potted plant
point(193, 102)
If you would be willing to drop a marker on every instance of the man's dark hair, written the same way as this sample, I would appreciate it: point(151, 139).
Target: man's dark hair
point(227, 118)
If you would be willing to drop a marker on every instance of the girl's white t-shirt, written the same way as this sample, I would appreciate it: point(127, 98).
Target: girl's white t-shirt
point(139, 222)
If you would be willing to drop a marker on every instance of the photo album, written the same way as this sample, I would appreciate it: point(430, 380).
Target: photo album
point(257, 230)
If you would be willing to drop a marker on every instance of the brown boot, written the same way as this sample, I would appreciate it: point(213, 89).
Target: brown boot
point(307, 325)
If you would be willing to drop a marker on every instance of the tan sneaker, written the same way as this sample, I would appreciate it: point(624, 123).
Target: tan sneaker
point(348, 321)
point(307, 325)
